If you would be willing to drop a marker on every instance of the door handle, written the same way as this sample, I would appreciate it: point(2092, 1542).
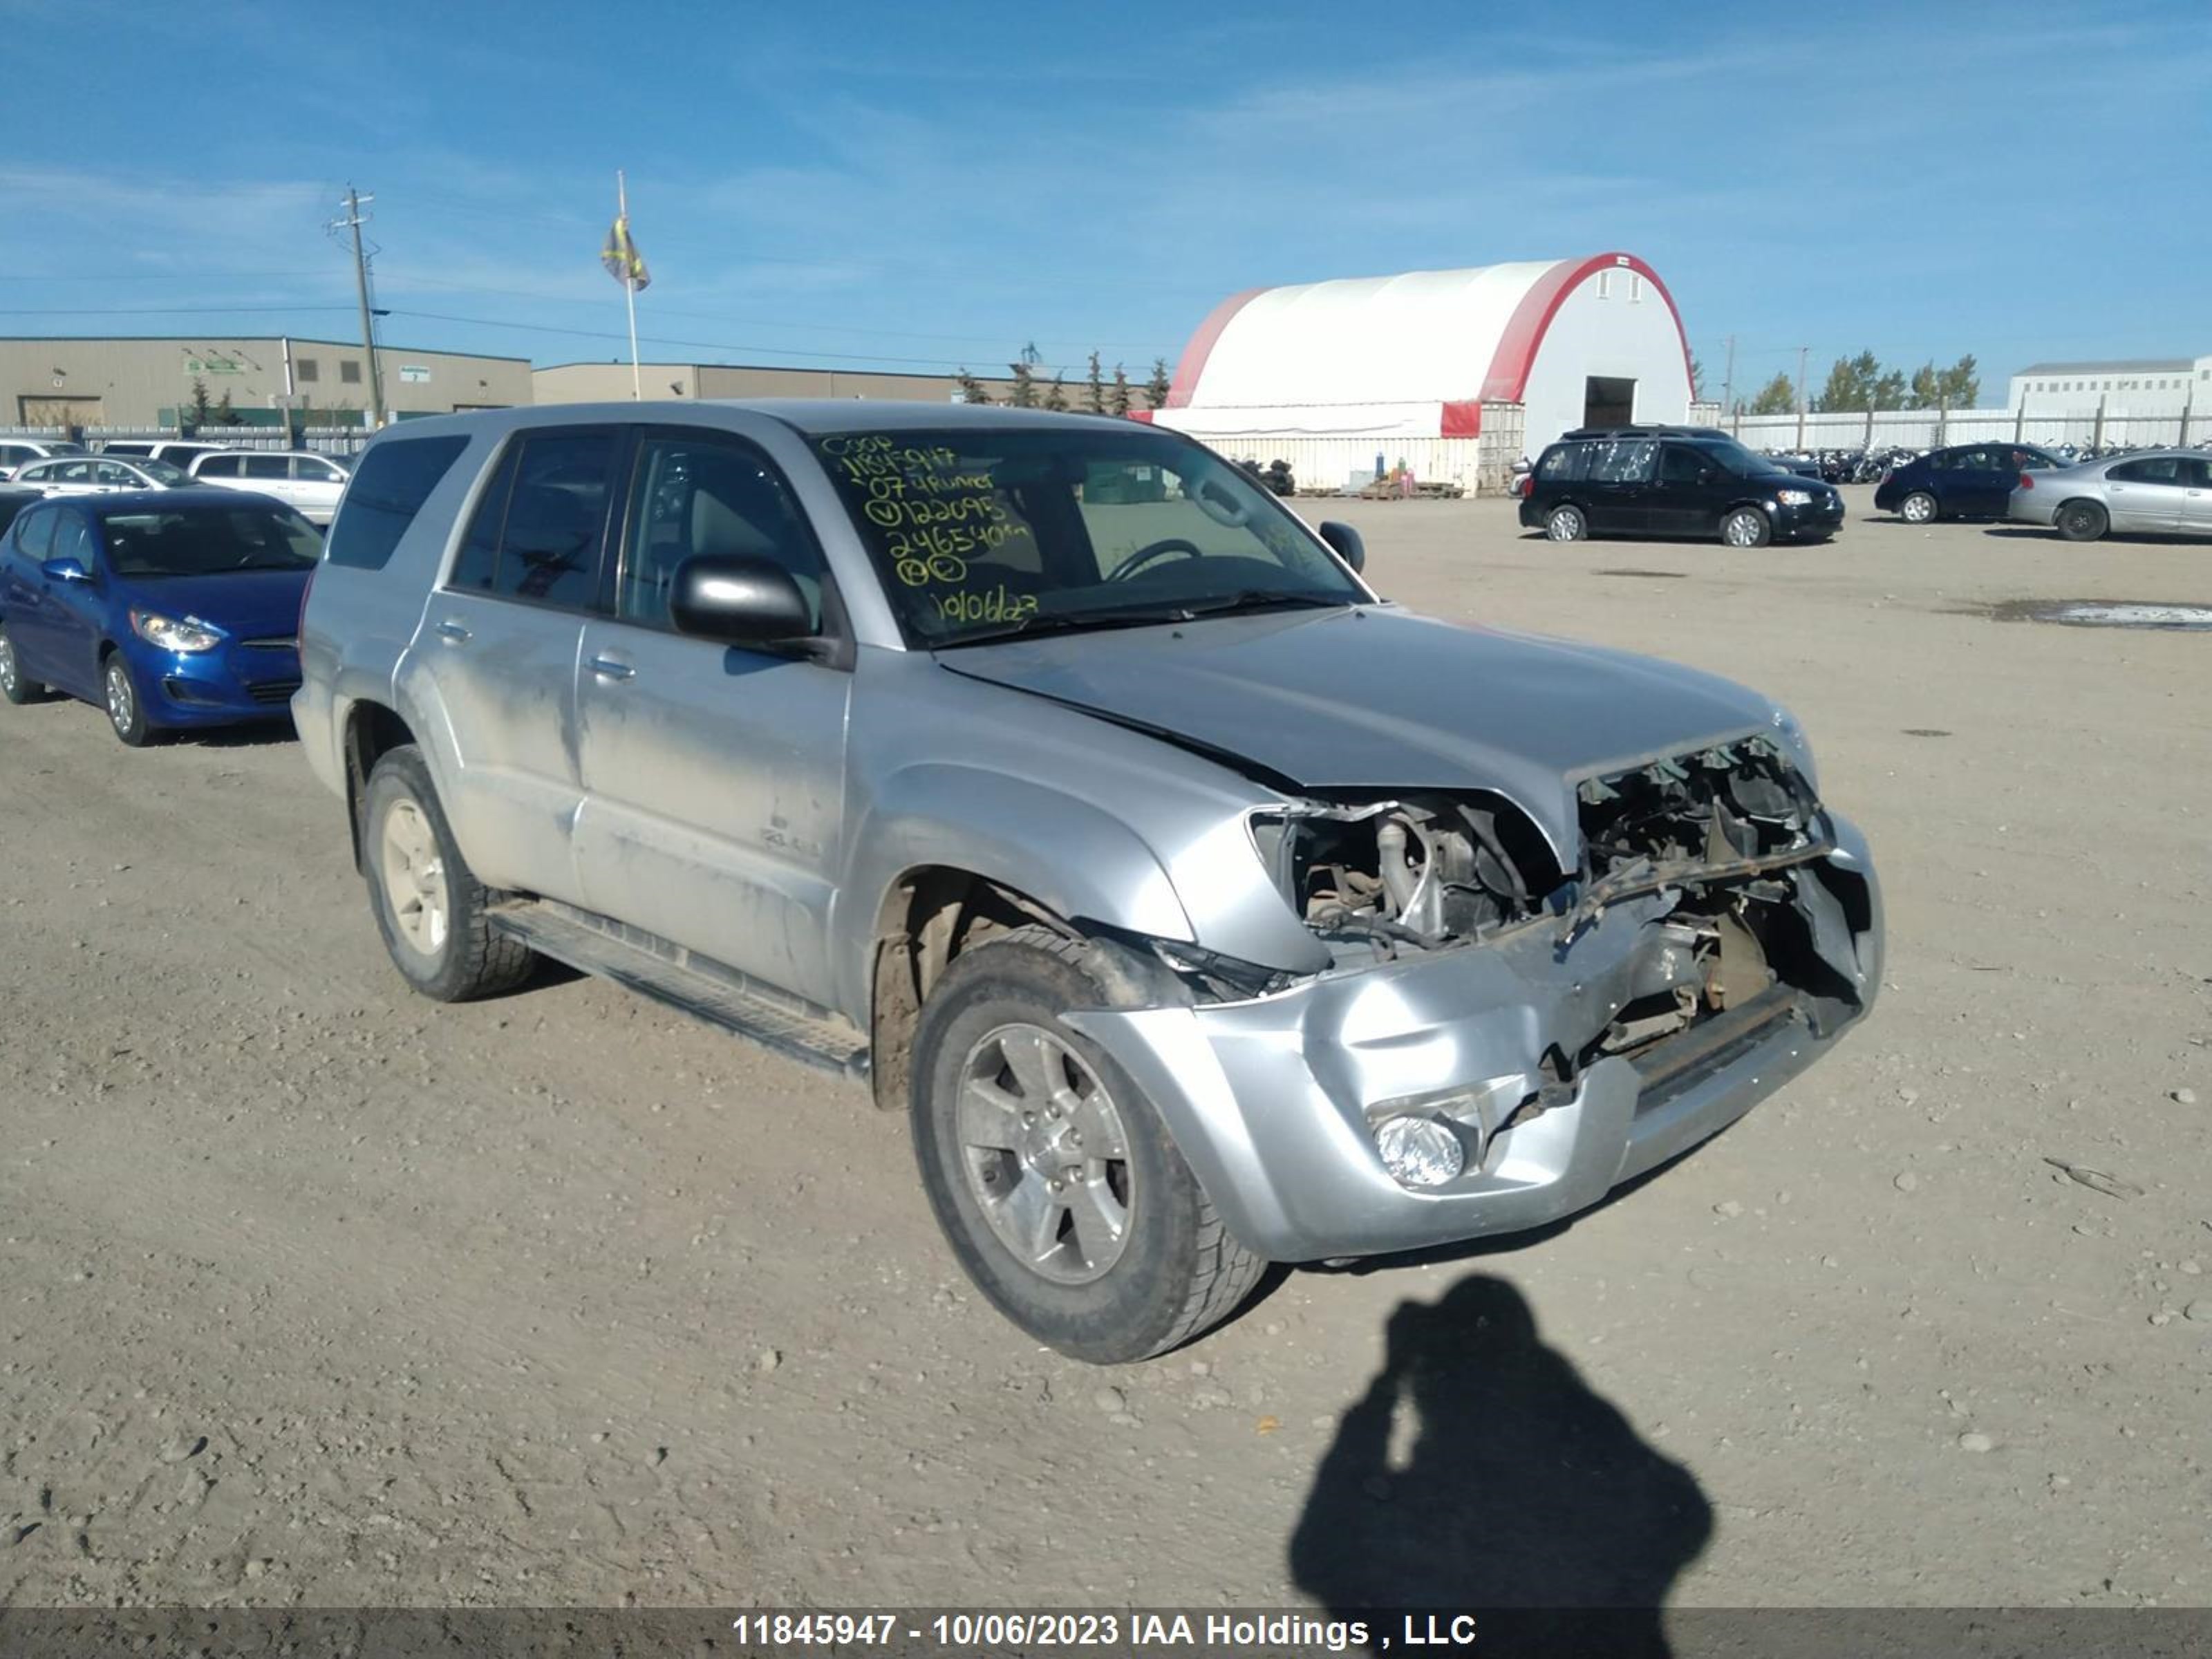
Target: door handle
point(608, 669)
point(453, 631)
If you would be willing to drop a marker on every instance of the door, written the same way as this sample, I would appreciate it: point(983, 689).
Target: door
point(1619, 486)
point(1687, 499)
point(2196, 497)
point(2145, 495)
point(713, 776)
point(70, 477)
point(1607, 401)
point(23, 585)
point(71, 615)
point(270, 474)
point(1979, 483)
point(499, 642)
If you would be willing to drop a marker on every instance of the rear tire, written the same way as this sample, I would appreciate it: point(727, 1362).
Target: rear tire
point(2082, 521)
point(13, 686)
point(429, 907)
point(1126, 1256)
point(1746, 526)
point(1918, 508)
point(1566, 524)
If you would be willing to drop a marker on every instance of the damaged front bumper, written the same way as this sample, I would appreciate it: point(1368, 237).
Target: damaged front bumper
point(1270, 1099)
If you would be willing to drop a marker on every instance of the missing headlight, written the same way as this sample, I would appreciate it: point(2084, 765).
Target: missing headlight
point(1424, 871)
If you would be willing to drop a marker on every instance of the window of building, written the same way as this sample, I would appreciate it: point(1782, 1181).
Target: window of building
point(1604, 285)
point(1635, 290)
point(305, 368)
point(349, 371)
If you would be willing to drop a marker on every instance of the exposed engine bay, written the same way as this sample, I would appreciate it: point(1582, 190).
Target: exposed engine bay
point(1710, 846)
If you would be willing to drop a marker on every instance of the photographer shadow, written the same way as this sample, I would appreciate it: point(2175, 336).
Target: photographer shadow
point(1525, 1497)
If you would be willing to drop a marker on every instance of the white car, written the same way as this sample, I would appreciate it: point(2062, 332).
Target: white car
point(308, 482)
point(176, 451)
point(22, 451)
point(98, 475)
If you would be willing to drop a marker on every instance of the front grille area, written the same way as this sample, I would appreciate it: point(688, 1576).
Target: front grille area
point(273, 691)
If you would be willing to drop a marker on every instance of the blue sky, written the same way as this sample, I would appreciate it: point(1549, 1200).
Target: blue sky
point(926, 185)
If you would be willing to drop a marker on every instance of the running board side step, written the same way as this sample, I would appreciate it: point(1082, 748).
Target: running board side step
point(678, 978)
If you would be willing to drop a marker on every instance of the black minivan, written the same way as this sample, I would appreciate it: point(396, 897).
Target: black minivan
point(1672, 481)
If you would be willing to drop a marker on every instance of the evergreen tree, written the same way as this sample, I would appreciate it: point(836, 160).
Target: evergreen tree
point(1117, 400)
point(1156, 389)
point(1055, 395)
point(1094, 389)
point(201, 412)
point(1960, 386)
point(1851, 384)
point(1023, 395)
point(224, 413)
point(1696, 380)
point(1777, 397)
point(971, 389)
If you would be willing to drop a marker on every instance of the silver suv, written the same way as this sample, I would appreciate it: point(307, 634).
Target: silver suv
point(1202, 908)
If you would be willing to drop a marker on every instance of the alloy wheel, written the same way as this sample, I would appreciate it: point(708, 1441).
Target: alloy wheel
point(414, 876)
point(6, 665)
point(1918, 509)
point(121, 702)
point(1045, 1154)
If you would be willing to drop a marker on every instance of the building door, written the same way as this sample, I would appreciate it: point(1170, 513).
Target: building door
point(33, 410)
point(1608, 402)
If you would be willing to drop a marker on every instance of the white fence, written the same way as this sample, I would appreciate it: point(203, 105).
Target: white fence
point(1931, 428)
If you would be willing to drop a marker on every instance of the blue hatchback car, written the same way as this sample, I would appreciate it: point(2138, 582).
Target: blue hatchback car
point(167, 608)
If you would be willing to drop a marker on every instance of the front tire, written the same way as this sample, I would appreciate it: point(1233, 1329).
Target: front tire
point(2082, 521)
point(1746, 526)
point(431, 909)
point(1566, 524)
point(126, 709)
point(13, 686)
point(1918, 508)
point(1054, 1180)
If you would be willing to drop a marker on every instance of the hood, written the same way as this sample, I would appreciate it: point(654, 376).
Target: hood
point(246, 604)
point(1378, 699)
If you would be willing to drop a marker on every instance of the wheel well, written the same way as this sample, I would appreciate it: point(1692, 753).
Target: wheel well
point(371, 730)
point(930, 916)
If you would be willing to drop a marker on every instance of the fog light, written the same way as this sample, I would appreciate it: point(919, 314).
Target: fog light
point(1419, 1152)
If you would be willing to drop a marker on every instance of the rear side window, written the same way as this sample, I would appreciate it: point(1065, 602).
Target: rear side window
point(35, 534)
point(1564, 464)
point(1626, 461)
point(268, 466)
point(219, 466)
point(2152, 469)
point(537, 533)
point(394, 481)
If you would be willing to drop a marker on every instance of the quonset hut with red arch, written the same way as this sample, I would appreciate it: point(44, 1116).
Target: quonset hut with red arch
point(1455, 373)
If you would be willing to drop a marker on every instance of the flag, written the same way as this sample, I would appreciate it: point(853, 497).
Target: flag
point(621, 258)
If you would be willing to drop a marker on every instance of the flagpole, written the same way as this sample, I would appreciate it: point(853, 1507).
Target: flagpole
point(629, 294)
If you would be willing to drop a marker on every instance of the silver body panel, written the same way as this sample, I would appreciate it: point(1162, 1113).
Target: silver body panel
point(2133, 507)
point(760, 809)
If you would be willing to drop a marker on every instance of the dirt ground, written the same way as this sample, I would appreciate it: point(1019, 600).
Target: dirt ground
point(314, 1293)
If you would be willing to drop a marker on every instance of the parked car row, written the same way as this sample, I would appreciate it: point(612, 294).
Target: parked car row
point(1046, 772)
point(301, 477)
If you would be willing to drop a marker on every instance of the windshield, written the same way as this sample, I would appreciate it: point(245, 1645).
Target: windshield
point(979, 533)
point(207, 541)
point(161, 471)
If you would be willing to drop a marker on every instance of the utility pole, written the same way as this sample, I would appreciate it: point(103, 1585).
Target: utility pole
point(1728, 381)
point(1801, 351)
point(361, 288)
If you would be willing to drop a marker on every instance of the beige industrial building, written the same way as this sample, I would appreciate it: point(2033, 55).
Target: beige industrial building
point(145, 381)
point(611, 382)
point(118, 384)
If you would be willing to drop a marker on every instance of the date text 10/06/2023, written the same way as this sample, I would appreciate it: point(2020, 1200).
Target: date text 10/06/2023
point(990, 1630)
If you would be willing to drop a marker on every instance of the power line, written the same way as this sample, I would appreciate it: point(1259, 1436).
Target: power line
point(169, 311)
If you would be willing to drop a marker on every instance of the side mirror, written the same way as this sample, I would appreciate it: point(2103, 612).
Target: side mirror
point(65, 570)
point(1346, 540)
point(738, 601)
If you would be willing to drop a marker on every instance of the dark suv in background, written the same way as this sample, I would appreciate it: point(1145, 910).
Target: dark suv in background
point(1967, 481)
point(1672, 481)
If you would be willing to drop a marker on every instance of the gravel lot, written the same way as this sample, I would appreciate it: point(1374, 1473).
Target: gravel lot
point(314, 1293)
